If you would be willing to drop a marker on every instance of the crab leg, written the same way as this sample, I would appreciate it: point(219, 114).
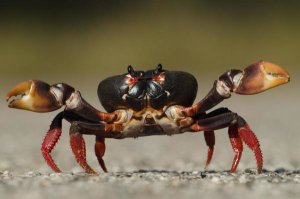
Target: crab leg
point(238, 130)
point(251, 141)
point(210, 142)
point(215, 122)
point(53, 135)
point(78, 147)
point(99, 151)
point(237, 146)
point(101, 130)
point(50, 141)
point(253, 79)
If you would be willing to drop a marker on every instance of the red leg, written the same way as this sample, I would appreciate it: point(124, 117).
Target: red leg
point(237, 146)
point(78, 145)
point(238, 131)
point(210, 142)
point(50, 140)
point(252, 142)
point(99, 151)
point(78, 148)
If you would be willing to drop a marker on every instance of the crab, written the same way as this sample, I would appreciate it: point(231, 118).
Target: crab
point(146, 103)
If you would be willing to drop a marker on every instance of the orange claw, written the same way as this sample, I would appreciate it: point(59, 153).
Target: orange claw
point(33, 95)
point(259, 77)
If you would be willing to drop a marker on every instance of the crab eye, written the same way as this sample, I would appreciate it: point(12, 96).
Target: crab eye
point(158, 69)
point(130, 70)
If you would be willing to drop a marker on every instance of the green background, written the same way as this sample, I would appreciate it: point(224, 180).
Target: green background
point(101, 38)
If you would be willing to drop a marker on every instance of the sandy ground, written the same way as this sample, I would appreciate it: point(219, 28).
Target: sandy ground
point(165, 167)
point(152, 183)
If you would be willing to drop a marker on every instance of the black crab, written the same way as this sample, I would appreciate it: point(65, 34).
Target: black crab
point(145, 103)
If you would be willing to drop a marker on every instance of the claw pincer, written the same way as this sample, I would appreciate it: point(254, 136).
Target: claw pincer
point(259, 77)
point(37, 96)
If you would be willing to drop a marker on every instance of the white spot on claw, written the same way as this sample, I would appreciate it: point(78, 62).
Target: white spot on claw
point(223, 89)
point(237, 80)
point(73, 100)
point(58, 94)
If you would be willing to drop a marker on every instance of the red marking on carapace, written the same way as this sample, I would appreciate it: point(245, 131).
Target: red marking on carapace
point(159, 78)
point(131, 80)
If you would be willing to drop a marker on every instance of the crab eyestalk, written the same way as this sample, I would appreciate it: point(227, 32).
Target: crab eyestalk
point(259, 77)
point(38, 96)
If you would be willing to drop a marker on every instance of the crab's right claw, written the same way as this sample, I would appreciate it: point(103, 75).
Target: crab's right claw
point(259, 77)
point(34, 95)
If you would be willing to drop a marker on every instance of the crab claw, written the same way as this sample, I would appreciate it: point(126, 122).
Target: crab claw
point(259, 77)
point(35, 95)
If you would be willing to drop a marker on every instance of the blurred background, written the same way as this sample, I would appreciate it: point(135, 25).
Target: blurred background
point(82, 43)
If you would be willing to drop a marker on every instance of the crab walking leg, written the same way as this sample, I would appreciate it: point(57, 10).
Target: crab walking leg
point(210, 135)
point(50, 141)
point(100, 151)
point(238, 125)
point(210, 142)
point(254, 79)
point(78, 147)
point(215, 122)
point(237, 146)
point(53, 136)
point(101, 130)
point(251, 141)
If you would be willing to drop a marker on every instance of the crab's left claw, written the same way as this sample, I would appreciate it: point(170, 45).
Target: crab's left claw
point(37, 96)
point(259, 77)
point(255, 78)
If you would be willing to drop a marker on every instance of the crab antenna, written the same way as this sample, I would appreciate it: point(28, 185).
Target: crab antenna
point(130, 69)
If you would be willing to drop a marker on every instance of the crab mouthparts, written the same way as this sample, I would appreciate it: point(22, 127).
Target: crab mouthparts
point(149, 120)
